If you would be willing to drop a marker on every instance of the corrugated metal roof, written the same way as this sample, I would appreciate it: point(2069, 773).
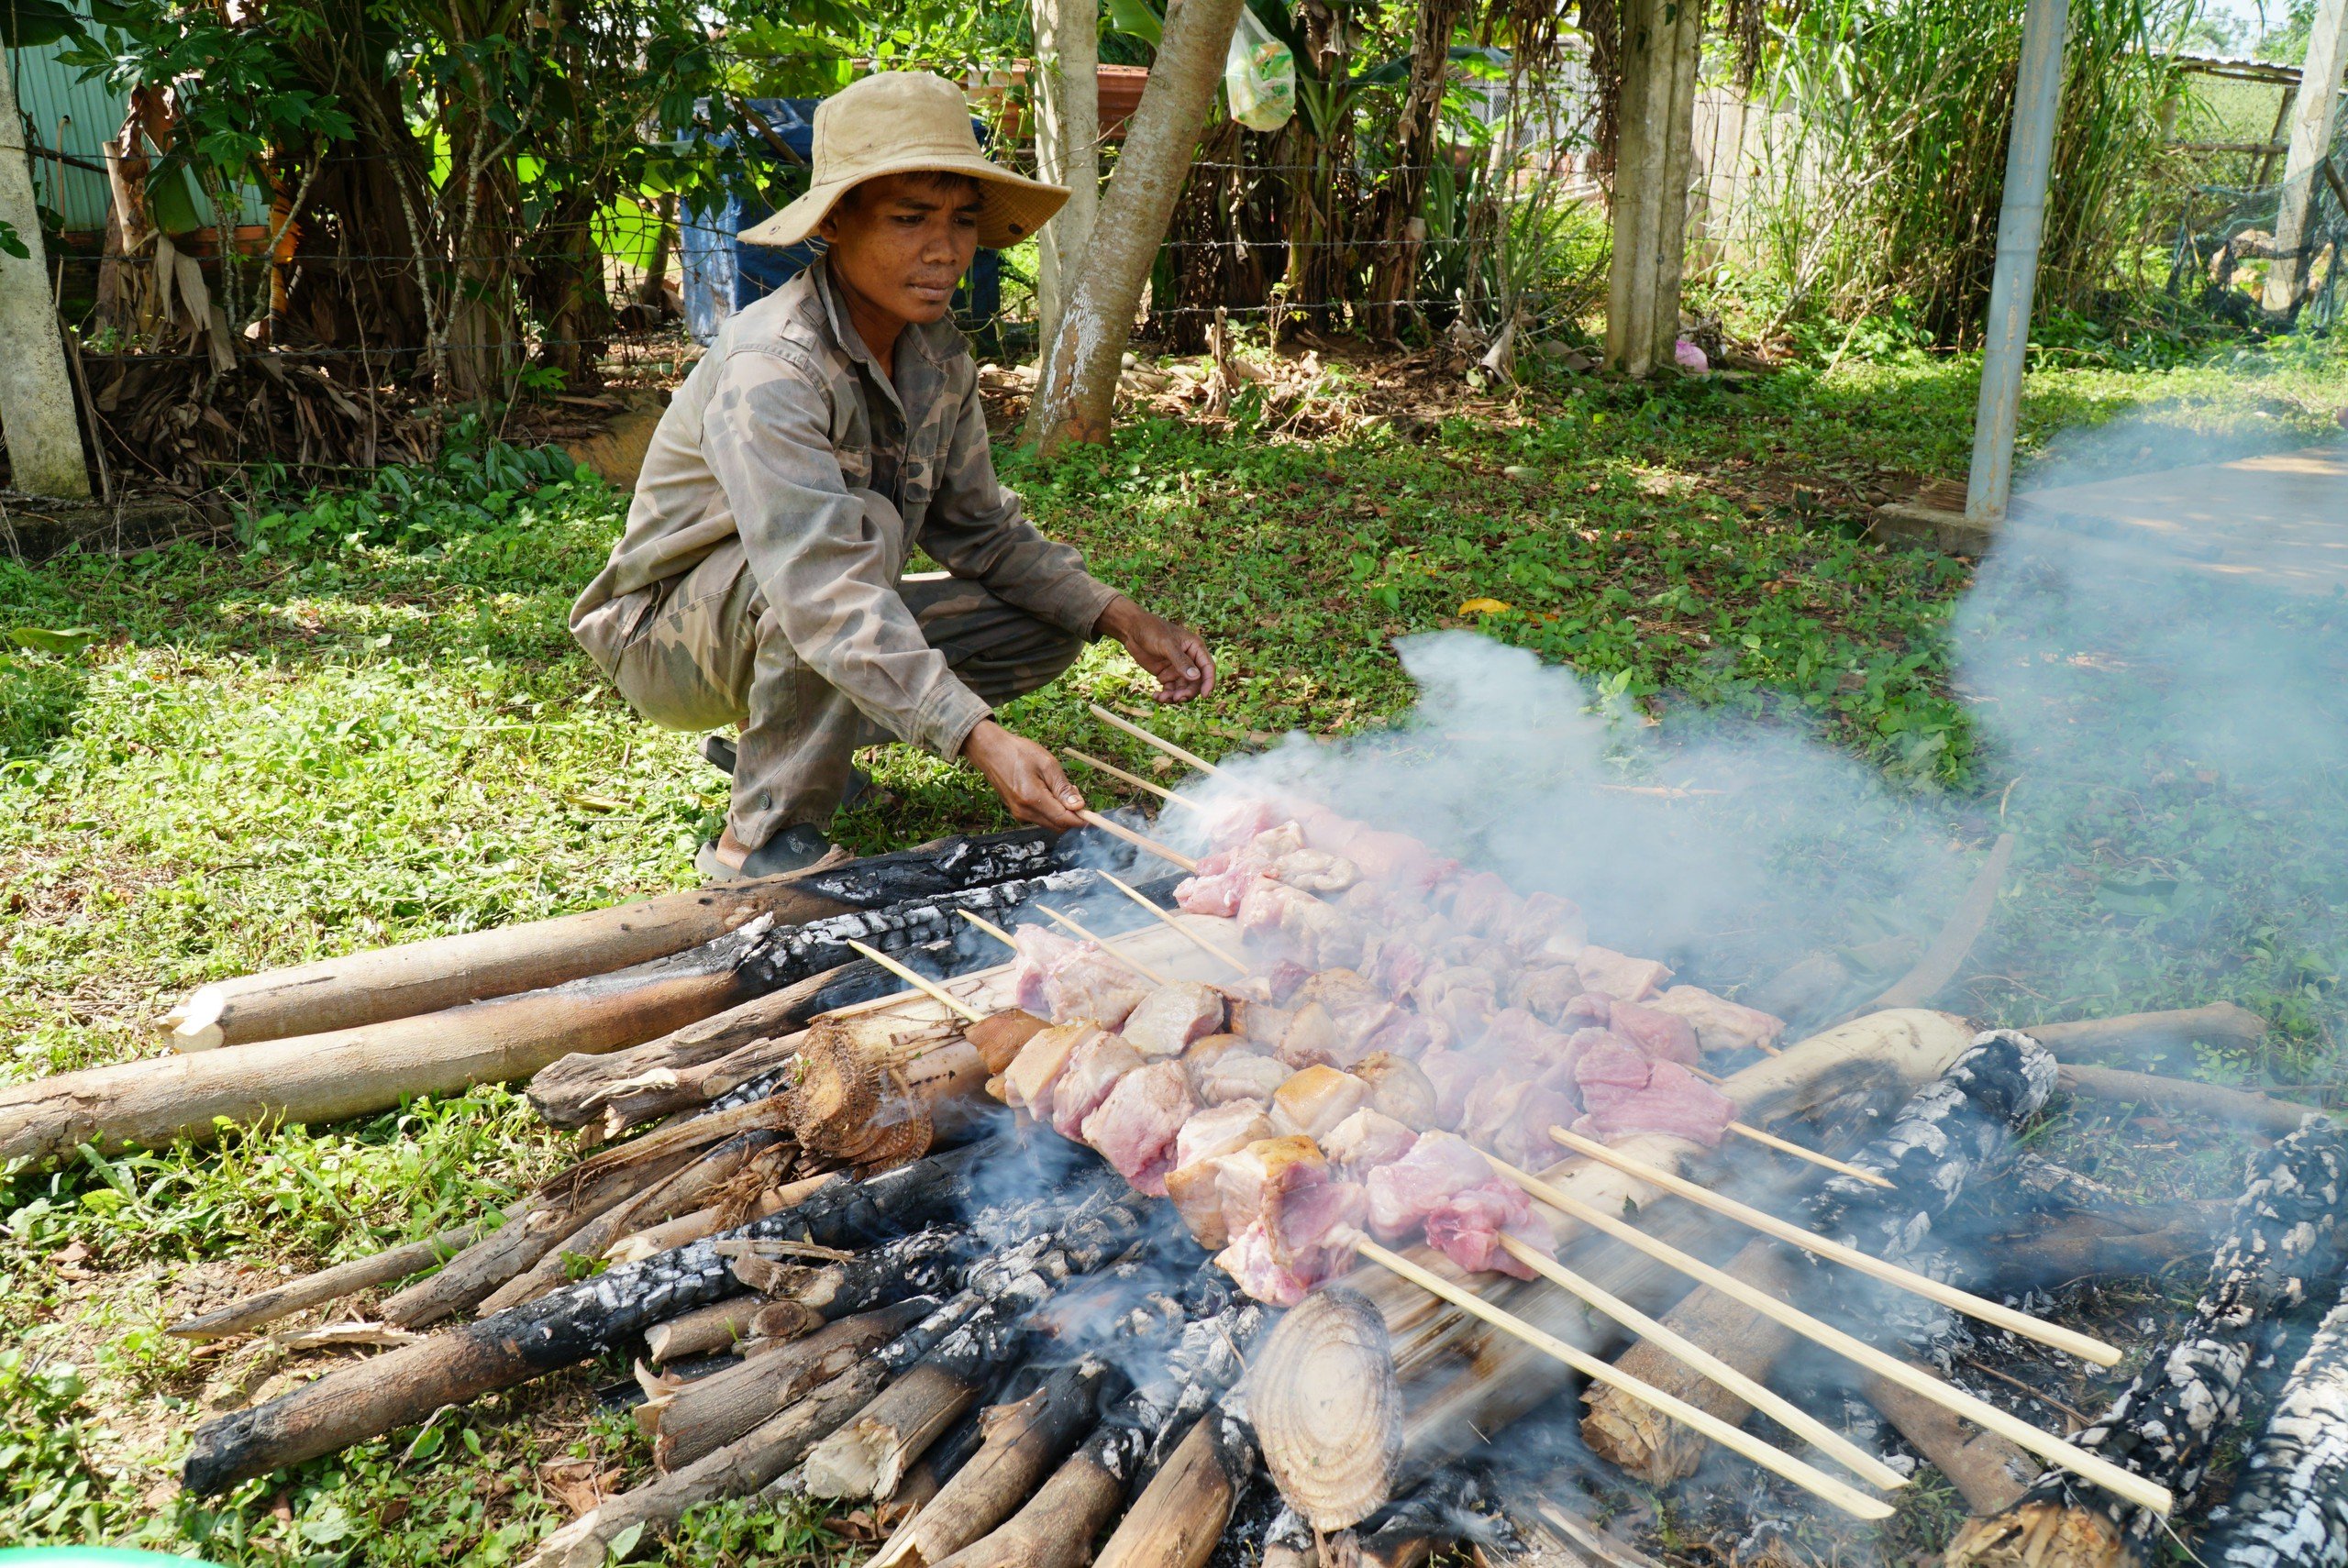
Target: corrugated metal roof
point(73, 116)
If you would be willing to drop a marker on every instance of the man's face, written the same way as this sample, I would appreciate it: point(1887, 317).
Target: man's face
point(902, 241)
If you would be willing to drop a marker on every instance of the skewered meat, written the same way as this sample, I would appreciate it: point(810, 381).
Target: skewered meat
point(1203, 1051)
point(1066, 980)
point(1544, 923)
point(1467, 1228)
point(1237, 1076)
point(1515, 1036)
point(1452, 1074)
point(1027, 1082)
point(1513, 1118)
point(1259, 1024)
point(1213, 893)
point(1720, 1024)
point(1398, 1088)
point(1663, 1036)
point(1316, 1099)
point(1397, 858)
point(1458, 995)
point(1315, 932)
point(1409, 1035)
point(1338, 1016)
point(1480, 903)
point(1545, 990)
point(1315, 871)
point(1194, 1184)
point(1253, 1260)
point(1172, 1017)
point(1620, 975)
point(1367, 1139)
point(1283, 1213)
point(1401, 1195)
point(1623, 1093)
point(1092, 1070)
point(1136, 1127)
point(1234, 823)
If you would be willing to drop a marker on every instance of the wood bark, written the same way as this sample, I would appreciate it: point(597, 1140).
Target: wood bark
point(2222, 1025)
point(1661, 41)
point(1327, 1409)
point(723, 1326)
point(1987, 1471)
point(575, 1090)
point(711, 1412)
point(1397, 227)
point(321, 1078)
point(586, 1243)
point(2313, 112)
point(405, 1386)
point(37, 403)
point(326, 1285)
point(1076, 385)
point(1067, 138)
point(2257, 1114)
point(2292, 1507)
point(1020, 1442)
point(2290, 1229)
point(1949, 950)
point(1181, 1515)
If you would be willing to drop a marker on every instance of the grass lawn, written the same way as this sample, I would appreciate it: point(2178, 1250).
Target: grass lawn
point(373, 727)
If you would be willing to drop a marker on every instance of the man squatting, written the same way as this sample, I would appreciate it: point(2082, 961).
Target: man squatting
point(832, 428)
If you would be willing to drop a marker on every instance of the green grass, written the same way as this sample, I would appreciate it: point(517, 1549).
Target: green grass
point(372, 726)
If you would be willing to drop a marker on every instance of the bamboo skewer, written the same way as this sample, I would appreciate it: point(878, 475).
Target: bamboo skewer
point(1776, 1406)
point(2081, 1345)
point(1783, 1146)
point(990, 929)
point(1213, 949)
point(2111, 1477)
point(1168, 746)
point(1127, 959)
point(1120, 830)
point(1774, 1460)
point(1174, 796)
point(923, 983)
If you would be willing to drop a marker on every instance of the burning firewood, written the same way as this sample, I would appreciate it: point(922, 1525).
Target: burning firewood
point(446, 972)
point(697, 1418)
point(460, 1364)
point(2292, 1508)
point(2290, 1230)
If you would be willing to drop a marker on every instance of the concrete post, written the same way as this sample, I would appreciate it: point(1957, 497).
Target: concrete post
point(2312, 114)
point(2021, 221)
point(38, 418)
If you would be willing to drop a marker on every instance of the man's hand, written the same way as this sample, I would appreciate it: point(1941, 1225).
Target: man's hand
point(1025, 776)
point(1175, 655)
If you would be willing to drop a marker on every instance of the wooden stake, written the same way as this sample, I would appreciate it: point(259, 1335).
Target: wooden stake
point(1168, 746)
point(1174, 797)
point(2075, 1344)
point(2046, 1445)
point(990, 928)
point(1119, 830)
point(1786, 1414)
point(923, 983)
point(1127, 959)
point(1776, 1461)
point(1196, 940)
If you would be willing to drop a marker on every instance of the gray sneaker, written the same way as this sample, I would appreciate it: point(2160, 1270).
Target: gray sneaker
point(792, 849)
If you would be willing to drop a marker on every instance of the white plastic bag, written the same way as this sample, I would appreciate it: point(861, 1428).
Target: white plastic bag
point(1258, 76)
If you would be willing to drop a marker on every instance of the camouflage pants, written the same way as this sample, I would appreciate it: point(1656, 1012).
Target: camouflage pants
point(701, 651)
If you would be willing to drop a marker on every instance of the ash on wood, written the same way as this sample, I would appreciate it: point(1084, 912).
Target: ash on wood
point(708, 1413)
point(2289, 1232)
point(2292, 1507)
point(1327, 1409)
point(460, 1364)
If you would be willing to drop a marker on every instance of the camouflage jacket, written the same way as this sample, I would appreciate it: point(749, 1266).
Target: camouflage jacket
point(786, 434)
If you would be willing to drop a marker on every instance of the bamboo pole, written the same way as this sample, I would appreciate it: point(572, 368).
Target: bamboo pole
point(2084, 1347)
point(1891, 1369)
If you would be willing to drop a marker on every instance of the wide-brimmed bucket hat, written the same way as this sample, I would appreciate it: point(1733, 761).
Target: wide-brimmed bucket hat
point(907, 122)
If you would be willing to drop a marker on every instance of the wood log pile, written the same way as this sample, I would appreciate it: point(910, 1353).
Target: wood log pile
point(845, 1272)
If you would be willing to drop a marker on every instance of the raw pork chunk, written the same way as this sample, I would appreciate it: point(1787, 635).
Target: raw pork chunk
point(1287, 1220)
point(1172, 1017)
point(1663, 1036)
point(1194, 1184)
point(1239, 1076)
point(1092, 1070)
point(1401, 1195)
point(1137, 1128)
point(1620, 975)
point(1027, 1082)
point(1367, 1139)
point(1721, 1024)
point(1468, 1227)
point(1316, 1099)
point(1624, 1093)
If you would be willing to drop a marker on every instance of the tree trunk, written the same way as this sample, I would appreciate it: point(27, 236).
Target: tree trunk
point(1076, 386)
point(1327, 1408)
point(2147, 1033)
point(1400, 227)
point(43, 422)
point(2312, 120)
point(1660, 40)
point(1068, 142)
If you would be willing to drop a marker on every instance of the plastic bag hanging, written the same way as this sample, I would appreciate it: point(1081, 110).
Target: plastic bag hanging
point(1258, 76)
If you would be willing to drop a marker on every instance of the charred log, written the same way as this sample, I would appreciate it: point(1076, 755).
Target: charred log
point(570, 1325)
point(2292, 1508)
point(2289, 1232)
point(705, 1415)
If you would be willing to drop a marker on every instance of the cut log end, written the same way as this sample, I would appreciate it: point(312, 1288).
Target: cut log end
point(195, 1025)
point(1328, 1410)
point(2041, 1535)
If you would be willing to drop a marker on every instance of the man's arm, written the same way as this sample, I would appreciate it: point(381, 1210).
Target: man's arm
point(821, 563)
point(979, 530)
